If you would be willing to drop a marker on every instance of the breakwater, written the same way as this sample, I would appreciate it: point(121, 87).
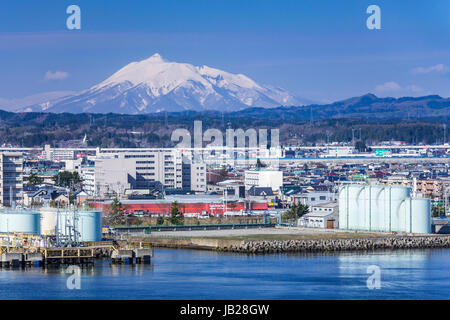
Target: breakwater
point(305, 245)
point(336, 245)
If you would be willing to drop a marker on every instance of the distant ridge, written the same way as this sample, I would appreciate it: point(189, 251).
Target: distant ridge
point(367, 106)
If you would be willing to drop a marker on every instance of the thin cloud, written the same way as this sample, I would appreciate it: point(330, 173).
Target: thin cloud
point(395, 89)
point(390, 86)
point(57, 75)
point(439, 68)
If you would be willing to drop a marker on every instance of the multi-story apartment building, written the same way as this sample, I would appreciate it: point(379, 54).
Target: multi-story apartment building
point(115, 172)
point(58, 154)
point(432, 187)
point(11, 178)
point(198, 177)
point(87, 174)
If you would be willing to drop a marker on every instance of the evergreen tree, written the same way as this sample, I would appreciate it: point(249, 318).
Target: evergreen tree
point(297, 210)
point(260, 164)
point(176, 216)
point(33, 179)
point(115, 214)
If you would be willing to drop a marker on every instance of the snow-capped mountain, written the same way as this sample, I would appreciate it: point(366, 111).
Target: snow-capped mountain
point(18, 104)
point(155, 85)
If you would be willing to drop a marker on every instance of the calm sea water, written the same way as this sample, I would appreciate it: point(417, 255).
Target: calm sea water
point(190, 274)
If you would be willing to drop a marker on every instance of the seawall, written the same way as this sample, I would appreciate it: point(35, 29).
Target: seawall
point(307, 245)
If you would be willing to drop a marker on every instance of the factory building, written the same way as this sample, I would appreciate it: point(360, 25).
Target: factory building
point(198, 205)
point(325, 216)
point(11, 178)
point(383, 208)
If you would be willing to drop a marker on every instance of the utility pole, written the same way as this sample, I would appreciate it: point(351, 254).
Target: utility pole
point(445, 133)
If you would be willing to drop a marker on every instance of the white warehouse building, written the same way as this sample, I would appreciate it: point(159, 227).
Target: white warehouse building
point(264, 178)
point(383, 208)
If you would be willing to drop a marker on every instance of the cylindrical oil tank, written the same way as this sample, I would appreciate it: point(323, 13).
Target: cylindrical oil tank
point(363, 207)
point(398, 195)
point(88, 224)
point(48, 221)
point(355, 206)
point(421, 215)
point(383, 208)
point(375, 208)
point(343, 207)
point(404, 216)
point(20, 221)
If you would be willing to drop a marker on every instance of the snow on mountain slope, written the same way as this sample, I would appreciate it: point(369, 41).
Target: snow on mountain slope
point(19, 104)
point(154, 85)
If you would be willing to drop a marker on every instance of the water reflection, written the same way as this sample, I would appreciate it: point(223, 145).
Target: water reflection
point(188, 274)
point(130, 269)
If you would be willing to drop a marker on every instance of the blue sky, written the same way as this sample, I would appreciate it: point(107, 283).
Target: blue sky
point(321, 49)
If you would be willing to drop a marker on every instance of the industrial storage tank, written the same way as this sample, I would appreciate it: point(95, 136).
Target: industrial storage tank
point(377, 215)
point(398, 195)
point(421, 215)
point(343, 207)
point(20, 221)
point(48, 221)
point(382, 208)
point(354, 206)
point(88, 224)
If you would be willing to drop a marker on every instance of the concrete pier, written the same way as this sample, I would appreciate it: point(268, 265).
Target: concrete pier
point(122, 256)
point(139, 255)
point(143, 255)
point(11, 259)
point(35, 258)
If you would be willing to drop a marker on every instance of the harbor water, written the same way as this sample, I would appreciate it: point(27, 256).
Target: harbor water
point(195, 274)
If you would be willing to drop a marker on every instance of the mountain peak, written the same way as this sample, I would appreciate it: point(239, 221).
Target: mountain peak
point(154, 84)
point(156, 58)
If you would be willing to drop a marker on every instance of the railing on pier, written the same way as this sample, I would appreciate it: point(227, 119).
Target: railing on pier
point(150, 229)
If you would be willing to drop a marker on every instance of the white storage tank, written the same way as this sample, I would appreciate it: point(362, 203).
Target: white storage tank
point(87, 223)
point(20, 221)
point(355, 206)
point(382, 208)
point(398, 195)
point(343, 206)
point(90, 225)
point(378, 208)
point(421, 215)
point(48, 221)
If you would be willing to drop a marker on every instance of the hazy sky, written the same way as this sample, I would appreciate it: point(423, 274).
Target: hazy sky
point(316, 49)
